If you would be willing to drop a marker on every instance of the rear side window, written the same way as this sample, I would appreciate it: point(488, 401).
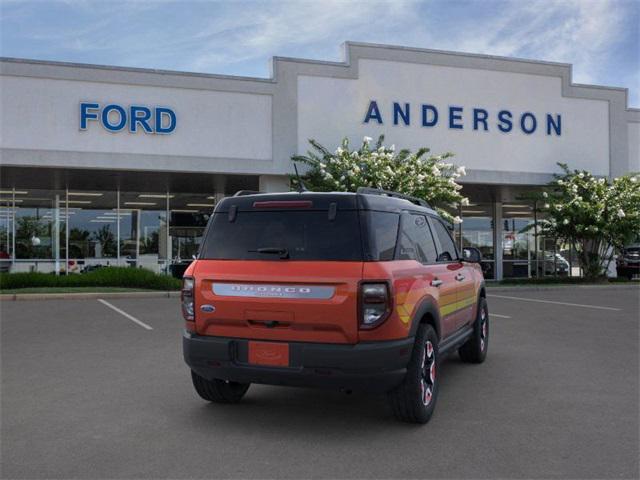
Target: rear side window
point(382, 228)
point(303, 235)
point(447, 249)
point(416, 242)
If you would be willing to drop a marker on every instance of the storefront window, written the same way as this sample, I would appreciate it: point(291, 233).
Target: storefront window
point(518, 240)
point(477, 230)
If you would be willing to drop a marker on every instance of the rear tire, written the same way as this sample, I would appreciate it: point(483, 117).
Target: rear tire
point(414, 400)
point(219, 391)
point(475, 349)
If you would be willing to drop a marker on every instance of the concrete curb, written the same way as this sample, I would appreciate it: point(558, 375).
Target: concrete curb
point(85, 296)
point(521, 288)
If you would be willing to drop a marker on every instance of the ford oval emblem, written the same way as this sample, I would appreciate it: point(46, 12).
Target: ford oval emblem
point(208, 308)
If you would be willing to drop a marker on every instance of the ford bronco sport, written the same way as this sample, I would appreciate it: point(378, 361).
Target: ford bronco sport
point(353, 291)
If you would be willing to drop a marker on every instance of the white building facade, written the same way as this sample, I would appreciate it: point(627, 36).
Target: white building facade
point(119, 166)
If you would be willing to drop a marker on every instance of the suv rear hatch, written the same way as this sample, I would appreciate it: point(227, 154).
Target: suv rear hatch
point(286, 269)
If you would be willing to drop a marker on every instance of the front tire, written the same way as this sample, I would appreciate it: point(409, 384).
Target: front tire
point(219, 391)
point(414, 400)
point(475, 349)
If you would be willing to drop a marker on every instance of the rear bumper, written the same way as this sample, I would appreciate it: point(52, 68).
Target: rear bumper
point(373, 366)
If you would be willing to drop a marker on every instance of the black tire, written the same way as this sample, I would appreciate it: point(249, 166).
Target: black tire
point(475, 349)
point(219, 391)
point(414, 400)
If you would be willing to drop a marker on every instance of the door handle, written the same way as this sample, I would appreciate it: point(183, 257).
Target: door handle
point(436, 282)
point(459, 277)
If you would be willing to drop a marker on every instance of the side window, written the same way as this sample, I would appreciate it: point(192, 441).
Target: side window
point(416, 242)
point(447, 249)
point(383, 232)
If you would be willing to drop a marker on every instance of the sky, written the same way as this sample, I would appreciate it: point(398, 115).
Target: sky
point(601, 38)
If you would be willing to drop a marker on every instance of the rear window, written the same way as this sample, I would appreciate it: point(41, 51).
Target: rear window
point(303, 235)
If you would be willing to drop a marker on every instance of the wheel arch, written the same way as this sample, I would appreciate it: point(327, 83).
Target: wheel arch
point(426, 313)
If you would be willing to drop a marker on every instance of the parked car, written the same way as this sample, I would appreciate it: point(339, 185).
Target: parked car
point(628, 263)
point(352, 291)
point(554, 264)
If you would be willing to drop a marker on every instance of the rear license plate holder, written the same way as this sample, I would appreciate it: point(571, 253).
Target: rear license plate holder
point(269, 354)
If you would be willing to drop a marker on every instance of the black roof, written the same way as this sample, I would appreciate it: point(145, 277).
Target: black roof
point(321, 201)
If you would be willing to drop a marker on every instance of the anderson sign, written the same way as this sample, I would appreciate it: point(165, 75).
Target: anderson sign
point(459, 118)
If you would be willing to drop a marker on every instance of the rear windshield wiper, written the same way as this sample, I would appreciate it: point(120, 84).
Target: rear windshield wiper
point(283, 252)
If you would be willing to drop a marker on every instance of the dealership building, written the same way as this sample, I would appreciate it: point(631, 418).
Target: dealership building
point(104, 165)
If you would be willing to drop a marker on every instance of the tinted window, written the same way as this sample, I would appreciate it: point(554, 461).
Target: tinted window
point(304, 235)
point(447, 250)
point(416, 242)
point(383, 232)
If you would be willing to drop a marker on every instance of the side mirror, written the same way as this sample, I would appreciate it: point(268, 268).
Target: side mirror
point(471, 254)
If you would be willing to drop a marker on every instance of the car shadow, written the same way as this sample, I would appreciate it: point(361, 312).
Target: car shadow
point(277, 411)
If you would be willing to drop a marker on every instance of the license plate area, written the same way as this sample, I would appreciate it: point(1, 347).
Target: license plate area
point(269, 354)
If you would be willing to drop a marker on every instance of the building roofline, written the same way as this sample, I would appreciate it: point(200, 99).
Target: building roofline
point(346, 62)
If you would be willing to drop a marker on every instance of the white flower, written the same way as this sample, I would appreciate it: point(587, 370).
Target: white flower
point(457, 220)
point(621, 213)
point(581, 175)
point(565, 221)
point(339, 151)
point(546, 205)
point(367, 139)
point(545, 195)
point(464, 202)
point(392, 148)
point(633, 179)
point(560, 182)
point(461, 171)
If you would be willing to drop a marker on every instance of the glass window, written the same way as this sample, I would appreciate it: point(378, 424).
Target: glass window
point(302, 235)
point(478, 231)
point(518, 240)
point(447, 249)
point(382, 228)
point(93, 230)
point(144, 229)
point(416, 242)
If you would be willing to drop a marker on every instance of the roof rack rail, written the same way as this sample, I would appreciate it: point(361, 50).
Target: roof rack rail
point(242, 193)
point(388, 193)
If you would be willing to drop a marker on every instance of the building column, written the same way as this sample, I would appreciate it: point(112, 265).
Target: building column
point(274, 183)
point(497, 239)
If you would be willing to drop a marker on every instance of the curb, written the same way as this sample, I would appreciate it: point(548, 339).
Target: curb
point(511, 288)
point(85, 296)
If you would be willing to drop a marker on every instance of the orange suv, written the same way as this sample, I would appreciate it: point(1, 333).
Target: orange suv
point(353, 291)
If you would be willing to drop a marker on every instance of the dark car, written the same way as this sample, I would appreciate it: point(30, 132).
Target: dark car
point(628, 263)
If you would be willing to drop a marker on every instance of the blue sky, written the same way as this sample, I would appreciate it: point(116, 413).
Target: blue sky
point(601, 38)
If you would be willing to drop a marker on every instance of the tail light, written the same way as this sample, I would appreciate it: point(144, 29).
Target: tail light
point(187, 298)
point(375, 304)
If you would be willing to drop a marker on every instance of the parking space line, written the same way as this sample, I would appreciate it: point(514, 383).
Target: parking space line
point(556, 303)
point(498, 315)
point(125, 314)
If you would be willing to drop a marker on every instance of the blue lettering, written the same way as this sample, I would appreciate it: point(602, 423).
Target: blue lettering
point(557, 125)
point(139, 115)
point(480, 115)
point(373, 112)
point(455, 113)
point(504, 117)
point(399, 112)
point(425, 116)
point(85, 114)
point(162, 112)
point(105, 118)
point(523, 123)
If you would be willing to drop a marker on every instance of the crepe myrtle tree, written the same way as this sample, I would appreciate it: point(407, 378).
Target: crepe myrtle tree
point(429, 177)
point(596, 216)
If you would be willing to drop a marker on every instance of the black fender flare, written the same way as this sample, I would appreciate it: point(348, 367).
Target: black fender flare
point(428, 306)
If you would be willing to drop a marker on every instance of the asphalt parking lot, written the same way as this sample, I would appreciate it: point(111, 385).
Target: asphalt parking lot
point(87, 392)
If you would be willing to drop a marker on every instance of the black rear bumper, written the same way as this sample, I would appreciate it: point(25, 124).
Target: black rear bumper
point(373, 366)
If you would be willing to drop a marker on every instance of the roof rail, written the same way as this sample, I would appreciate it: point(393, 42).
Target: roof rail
point(242, 193)
point(388, 193)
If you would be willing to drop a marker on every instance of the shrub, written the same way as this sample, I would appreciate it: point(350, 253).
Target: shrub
point(125, 277)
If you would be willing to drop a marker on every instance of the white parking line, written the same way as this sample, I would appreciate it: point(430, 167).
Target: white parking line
point(125, 314)
point(499, 316)
point(556, 303)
